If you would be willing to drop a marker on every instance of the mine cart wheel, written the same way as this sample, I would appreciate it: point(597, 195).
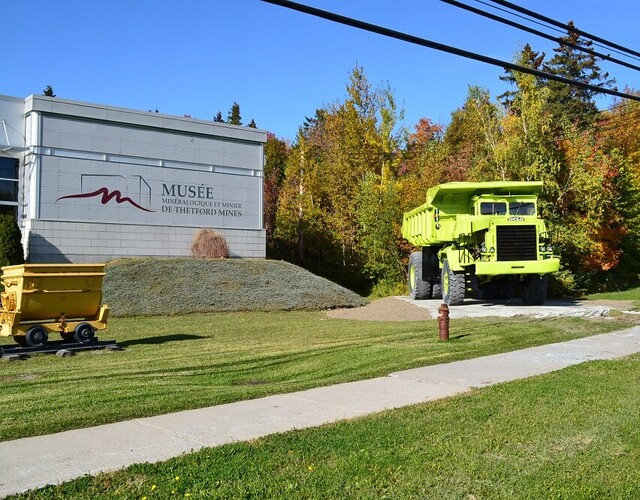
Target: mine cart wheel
point(20, 340)
point(453, 284)
point(84, 332)
point(535, 290)
point(67, 336)
point(418, 288)
point(36, 336)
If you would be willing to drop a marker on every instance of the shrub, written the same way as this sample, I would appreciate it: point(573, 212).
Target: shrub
point(388, 288)
point(207, 244)
point(11, 251)
point(564, 283)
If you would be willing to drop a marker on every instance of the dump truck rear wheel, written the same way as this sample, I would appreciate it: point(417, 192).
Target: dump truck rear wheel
point(453, 285)
point(36, 336)
point(84, 333)
point(535, 290)
point(418, 288)
point(436, 291)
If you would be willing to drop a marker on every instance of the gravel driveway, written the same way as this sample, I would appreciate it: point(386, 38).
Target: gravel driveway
point(405, 309)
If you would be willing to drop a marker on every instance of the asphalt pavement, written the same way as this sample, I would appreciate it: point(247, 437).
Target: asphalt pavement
point(472, 308)
point(37, 461)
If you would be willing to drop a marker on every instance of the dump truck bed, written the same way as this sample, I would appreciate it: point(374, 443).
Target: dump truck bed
point(449, 208)
point(467, 190)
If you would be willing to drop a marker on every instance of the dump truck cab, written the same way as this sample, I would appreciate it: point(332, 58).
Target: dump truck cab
point(483, 237)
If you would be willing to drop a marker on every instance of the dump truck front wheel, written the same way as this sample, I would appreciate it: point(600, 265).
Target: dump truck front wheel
point(83, 333)
point(534, 292)
point(418, 288)
point(452, 284)
point(36, 336)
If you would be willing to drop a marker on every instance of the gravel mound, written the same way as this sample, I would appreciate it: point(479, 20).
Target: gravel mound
point(148, 287)
point(385, 309)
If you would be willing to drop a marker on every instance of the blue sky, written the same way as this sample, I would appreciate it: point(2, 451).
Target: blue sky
point(197, 57)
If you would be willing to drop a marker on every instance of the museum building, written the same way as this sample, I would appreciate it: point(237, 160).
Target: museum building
point(91, 183)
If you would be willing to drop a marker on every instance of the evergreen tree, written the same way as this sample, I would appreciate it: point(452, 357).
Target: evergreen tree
point(276, 153)
point(569, 104)
point(528, 58)
point(234, 115)
point(218, 118)
point(48, 91)
point(252, 124)
point(11, 251)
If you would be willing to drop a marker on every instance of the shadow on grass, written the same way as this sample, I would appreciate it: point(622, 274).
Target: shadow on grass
point(177, 337)
point(461, 336)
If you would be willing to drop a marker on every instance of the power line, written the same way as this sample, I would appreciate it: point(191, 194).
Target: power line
point(539, 33)
point(355, 23)
point(528, 19)
point(550, 27)
point(546, 19)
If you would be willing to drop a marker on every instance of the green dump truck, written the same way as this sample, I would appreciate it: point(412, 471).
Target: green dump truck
point(479, 237)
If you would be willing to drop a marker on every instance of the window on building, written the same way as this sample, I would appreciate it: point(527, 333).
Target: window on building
point(9, 186)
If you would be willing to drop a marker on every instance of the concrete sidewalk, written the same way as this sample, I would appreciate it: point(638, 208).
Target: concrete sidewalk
point(34, 462)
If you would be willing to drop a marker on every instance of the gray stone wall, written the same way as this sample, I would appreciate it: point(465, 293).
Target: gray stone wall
point(77, 242)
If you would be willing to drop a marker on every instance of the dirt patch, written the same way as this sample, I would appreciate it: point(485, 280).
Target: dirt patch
point(622, 305)
point(385, 309)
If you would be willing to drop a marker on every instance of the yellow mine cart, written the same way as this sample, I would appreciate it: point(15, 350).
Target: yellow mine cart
point(42, 298)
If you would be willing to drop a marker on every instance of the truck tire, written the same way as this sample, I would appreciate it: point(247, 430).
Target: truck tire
point(436, 291)
point(453, 284)
point(534, 292)
point(418, 288)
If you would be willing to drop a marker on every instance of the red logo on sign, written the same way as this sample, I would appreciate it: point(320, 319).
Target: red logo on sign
point(106, 197)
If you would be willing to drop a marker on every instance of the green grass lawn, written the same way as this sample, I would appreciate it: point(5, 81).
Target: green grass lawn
point(182, 362)
point(631, 294)
point(574, 433)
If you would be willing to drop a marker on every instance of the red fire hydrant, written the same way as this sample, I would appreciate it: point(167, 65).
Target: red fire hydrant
point(443, 322)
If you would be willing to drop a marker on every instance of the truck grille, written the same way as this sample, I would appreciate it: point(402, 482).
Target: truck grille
point(517, 242)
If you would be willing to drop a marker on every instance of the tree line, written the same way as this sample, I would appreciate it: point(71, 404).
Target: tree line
point(334, 198)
